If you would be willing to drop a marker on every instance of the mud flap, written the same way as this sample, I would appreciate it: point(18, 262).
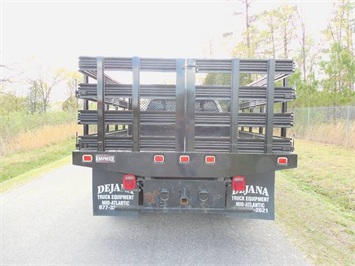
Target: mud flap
point(109, 197)
point(256, 201)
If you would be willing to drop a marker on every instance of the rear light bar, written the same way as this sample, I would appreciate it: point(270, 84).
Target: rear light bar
point(87, 158)
point(238, 183)
point(159, 158)
point(282, 161)
point(184, 159)
point(129, 182)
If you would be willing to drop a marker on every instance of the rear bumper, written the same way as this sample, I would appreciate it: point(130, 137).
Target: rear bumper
point(142, 163)
point(166, 195)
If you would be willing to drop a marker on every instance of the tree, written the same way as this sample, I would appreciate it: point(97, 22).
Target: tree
point(71, 79)
point(277, 31)
point(217, 79)
point(334, 67)
point(269, 34)
point(286, 17)
point(40, 90)
point(338, 66)
point(248, 46)
point(340, 36)
point(247, 25)
point(323, 76)
point(340, 74)
point(251, 50)
point(307, 91)
point(10, 102)
point(4, 79)
point(341, 25)
point(271, 37)
point(306, 57)
point(308, 54)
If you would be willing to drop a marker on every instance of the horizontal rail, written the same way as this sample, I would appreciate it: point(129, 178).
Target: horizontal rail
point(125, 117)
point(169, 65)
point(125, 64)
point(245, 66)
point(88, 91)
point(208, 144)
point(244, 120)
point(245, 93)
point(125, 91)
point(126, 143)
point(201, 119)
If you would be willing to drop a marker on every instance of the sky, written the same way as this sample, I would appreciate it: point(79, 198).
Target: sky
point(55, 33)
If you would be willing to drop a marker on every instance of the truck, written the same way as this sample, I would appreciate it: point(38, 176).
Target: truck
point(181, 145)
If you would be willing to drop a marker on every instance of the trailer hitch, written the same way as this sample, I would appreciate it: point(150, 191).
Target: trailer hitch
point(184, 199)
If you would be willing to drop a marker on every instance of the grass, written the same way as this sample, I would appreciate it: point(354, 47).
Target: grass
point(35, 143)
point(14, 123)
point(32, 174)
point(20, 163)
point(38, 144)
point(339, 133)
point(42, 137)
point(21, 131)
point(315, 203)
point(30, 141)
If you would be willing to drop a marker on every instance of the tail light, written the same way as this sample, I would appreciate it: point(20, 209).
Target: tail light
point(184, 159)
point(87, 158)
point(159, 158)
point(238, 183)
point(129, 182)
point(210, 159)
point(282, 160)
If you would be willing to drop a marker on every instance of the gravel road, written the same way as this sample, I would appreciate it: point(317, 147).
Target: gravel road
point(49, 221)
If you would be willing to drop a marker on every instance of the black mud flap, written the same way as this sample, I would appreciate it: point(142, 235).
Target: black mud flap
point(256, 201)
point(109, 197)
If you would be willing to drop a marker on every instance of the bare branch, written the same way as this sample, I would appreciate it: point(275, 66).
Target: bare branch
point(4, 66)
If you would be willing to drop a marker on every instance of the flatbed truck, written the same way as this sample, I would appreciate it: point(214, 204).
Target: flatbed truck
point(185, 146)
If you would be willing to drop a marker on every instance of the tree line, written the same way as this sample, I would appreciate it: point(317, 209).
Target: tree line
point(324, 76)
point(39, 91)
point(325, 71)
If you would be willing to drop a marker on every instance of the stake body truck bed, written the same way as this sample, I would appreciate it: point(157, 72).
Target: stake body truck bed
point(185, 146)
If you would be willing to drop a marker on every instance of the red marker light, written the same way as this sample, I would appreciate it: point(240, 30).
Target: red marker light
point(238, 183)
point(159, 158)
point(282, 160)
point(184, 159)
point(210, 159)
point(129, 182)
point(87, 158)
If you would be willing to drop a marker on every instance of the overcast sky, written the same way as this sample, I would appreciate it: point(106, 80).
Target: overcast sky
point(56, 33)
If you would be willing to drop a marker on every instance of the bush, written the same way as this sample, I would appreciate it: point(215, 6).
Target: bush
point(14, 124)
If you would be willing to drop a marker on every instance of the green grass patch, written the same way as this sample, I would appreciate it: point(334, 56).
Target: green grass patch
point(20, 131)
point(315, 203)
point(327, 170)
point(20, 163)
point(32, 174)
point(14, 123)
